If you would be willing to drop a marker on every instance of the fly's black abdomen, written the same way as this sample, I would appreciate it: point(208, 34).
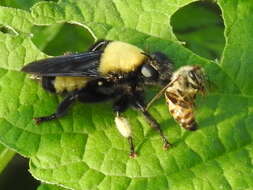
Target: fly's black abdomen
point(48, 84)
point(97, 91)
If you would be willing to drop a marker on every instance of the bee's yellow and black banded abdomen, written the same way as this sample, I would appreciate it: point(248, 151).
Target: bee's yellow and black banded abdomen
point(62, 84)
point(181, 110)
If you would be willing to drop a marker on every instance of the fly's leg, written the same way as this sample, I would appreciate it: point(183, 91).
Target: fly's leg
point(122, 123)
point(61, 110)
point(132, 154)
point(124, 128)
point(154, 124)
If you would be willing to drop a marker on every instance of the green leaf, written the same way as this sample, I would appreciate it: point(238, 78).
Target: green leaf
point(203, 32)
point(5, 156)
point(49, 187)
point(53, 39)
point(21, 4)
point(84, 150)
point(236, 60)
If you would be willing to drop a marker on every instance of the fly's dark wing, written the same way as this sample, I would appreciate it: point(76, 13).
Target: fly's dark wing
point(82, 64)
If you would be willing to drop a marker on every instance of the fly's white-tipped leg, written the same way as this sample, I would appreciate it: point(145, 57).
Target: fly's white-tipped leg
point(124, 128)
point(132, 154)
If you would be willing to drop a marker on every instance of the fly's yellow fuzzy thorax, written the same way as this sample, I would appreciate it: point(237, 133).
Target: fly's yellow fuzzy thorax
point(120, 57)
point(69, 84)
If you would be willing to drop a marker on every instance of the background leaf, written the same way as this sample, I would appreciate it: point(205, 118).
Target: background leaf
point(5, 156)
point(20, 4)
point(203, 32)
point(60, 38)
point(84, 151)
point(49, 187)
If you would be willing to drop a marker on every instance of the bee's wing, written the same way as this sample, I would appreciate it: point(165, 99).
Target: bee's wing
point(82, 64)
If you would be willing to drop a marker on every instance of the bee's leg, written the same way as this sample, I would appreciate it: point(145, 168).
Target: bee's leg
point(123, 124)
point(153, 123)
point(61, 110)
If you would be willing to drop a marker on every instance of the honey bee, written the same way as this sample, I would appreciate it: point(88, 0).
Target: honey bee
point(180, 94)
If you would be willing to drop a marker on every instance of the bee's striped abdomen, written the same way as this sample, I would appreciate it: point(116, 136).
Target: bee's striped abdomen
point(181, 110)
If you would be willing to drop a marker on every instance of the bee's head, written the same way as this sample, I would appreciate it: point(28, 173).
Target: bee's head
point(157, 69)
point(197, 78)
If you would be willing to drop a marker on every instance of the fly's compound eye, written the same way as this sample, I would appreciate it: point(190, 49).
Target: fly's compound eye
point(149, 72)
